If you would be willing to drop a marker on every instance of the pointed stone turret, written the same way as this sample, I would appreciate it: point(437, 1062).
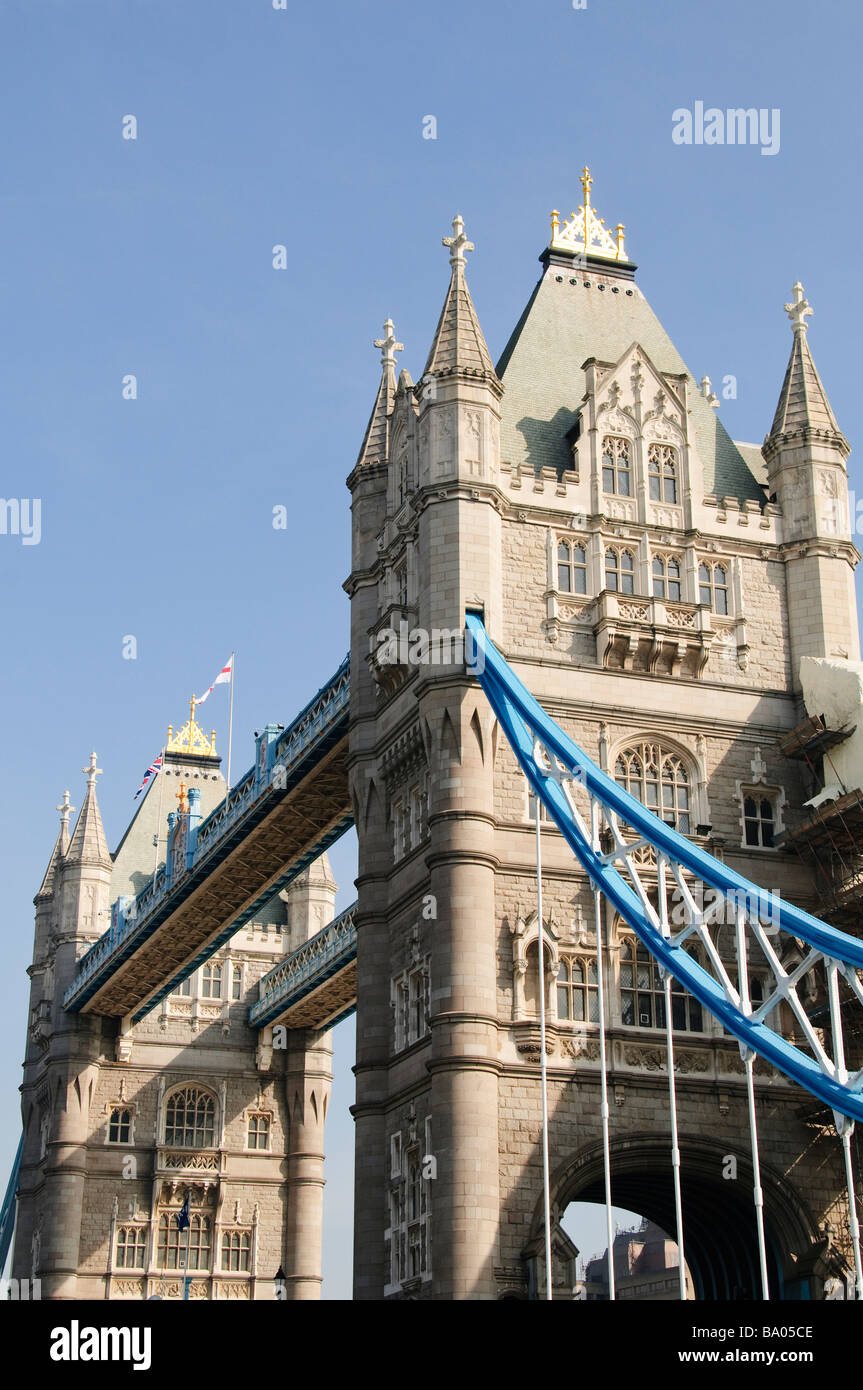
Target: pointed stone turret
point(805, 453)
point(458, 344)
point(88, 844)
point(375, 445)
point(803, 408)
point(50, 881)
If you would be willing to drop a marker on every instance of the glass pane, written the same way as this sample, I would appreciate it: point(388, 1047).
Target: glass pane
point(654, 488)
point(580, 577)
point(626, 561)
point(658, 566)
point(674, 592)
point(563, 1003)
point(674, 569)
point(563, 578)
point(659, 588)
point(627, 1012)
point(627, 586)
point(703, 574)
point(722, 601)
point(608, 480)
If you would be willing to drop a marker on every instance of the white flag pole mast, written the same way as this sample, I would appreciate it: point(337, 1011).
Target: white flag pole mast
point(161, 776)
point(230, 726)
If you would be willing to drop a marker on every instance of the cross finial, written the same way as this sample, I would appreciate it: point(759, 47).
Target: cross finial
point(458, 242)
point(388, 345)
point(65, 809)
point(586, 181)
point(92, 771)
point(799, 310)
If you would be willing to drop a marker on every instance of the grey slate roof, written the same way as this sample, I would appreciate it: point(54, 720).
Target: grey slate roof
point(802, 400)
point(375, 445)
point(541, 369)
point(88, 844)
point(458, 341)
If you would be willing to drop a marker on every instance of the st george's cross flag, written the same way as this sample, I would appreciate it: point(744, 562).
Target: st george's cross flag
point(221, 679)
point(154, 768)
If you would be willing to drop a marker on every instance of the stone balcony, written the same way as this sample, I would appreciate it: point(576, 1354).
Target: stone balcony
point(651, 635)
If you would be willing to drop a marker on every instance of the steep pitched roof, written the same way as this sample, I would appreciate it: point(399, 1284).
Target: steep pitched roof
point(49, 882)
point(458, 343)
point(88, 844)
point(562, 325)
point(376, 440)
point(802, 401)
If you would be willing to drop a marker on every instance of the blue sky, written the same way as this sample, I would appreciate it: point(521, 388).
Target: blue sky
point(303, 127)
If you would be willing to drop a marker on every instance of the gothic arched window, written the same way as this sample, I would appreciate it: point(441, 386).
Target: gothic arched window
point(666, 577)
point(119, 1126)
point(617, 466)
point(236, 1250)
point(642, 993)
point(659, 779)
point(571, 568)
point(194, 1242)
point(619, 571)
point(713, 587)
point(577, 990)
point(190, 1118)
point(131, 1244)
point(662, 473)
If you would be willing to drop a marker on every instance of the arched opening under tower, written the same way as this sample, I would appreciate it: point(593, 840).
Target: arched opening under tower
point(645, 1257)
point(719, 1225)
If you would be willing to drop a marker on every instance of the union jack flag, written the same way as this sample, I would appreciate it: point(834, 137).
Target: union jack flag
point(154, 768)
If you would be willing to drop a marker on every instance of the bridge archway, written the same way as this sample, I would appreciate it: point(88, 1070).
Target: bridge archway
point(718, 1213)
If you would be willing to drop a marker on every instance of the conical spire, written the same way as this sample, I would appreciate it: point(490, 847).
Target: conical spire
point(88, 844)
point(376, 440)
point(458, 344)
point(803, 403)
point(49, 882)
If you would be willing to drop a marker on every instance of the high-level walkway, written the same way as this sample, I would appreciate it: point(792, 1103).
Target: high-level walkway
point(279, 817)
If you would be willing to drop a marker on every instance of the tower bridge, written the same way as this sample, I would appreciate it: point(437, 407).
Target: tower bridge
point(663, 697)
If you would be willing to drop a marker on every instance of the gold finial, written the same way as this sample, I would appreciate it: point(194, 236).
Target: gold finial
point(583, 233)
point(183, 799)
point(191, 739)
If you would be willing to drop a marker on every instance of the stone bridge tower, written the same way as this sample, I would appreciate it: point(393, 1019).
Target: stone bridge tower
point(633, 563)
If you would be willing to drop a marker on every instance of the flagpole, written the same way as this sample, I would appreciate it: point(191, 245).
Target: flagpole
point(161, 776)
point(230, 727)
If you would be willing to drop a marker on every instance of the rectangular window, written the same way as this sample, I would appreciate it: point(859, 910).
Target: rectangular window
point(571, 568)
point(236, 982)
point(184, 989)
point(617, 466)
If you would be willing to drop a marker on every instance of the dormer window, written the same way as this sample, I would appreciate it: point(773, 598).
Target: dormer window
point(617, 466)
point(662, 473)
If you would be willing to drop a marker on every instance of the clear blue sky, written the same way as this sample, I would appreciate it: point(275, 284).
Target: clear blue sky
point(303, 127)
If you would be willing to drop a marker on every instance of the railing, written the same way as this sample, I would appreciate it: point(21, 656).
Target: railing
point(327, 707)
point(337, 942)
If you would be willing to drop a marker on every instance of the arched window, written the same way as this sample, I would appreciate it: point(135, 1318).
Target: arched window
point(758, 821)
point(194, 1242)
point(577, 997)
point(211, 980)
point(190, 1118)
point(659, 779)
point(713, 587)
point(236, 1250)
point(571, 568)
point(662, 473)
point(617, 466)
point(119, 1126)
point(642, 993)
point(666, 577)
point(131, 1243)
point(619, 571)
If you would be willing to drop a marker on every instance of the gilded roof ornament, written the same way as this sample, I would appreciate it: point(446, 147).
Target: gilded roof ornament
point(586, 233)
point(191, 739)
